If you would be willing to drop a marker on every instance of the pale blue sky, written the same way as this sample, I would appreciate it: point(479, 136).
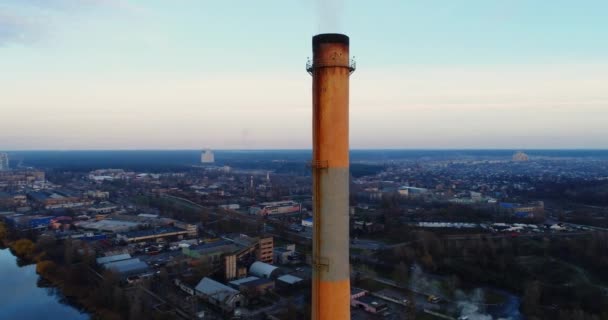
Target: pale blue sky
point(104, 74)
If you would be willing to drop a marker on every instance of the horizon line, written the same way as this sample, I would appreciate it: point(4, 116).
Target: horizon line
point(301, 149)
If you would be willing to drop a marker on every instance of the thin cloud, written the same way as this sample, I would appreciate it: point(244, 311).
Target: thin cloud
point(121, 5)
point(19, 29)
point(27, 21)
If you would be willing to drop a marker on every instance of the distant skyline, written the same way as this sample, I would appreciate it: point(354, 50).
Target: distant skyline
point(192, 74)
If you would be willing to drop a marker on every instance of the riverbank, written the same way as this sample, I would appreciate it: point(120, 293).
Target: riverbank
point(25, 295)
point(29, 254)
point(68, 267)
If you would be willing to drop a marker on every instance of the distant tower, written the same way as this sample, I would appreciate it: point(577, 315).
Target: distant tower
point(268, 177)
point(251, 189)
point(207, 156)
point(520, 157)
point(3, 161)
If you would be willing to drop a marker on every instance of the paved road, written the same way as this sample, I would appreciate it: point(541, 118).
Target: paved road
point(366, 244)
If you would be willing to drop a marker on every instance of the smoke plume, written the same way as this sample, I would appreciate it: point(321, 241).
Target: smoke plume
point(473, 305)
point(329, 14)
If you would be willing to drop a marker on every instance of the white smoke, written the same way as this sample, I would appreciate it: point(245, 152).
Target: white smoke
point(329, 14)
point(421, 283)
point(472, 305)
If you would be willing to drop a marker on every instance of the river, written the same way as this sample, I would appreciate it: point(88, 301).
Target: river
point(22, 298)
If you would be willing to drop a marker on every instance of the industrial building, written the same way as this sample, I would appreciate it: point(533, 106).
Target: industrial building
point(407, 191)
point(284, 255)
point(219, 295)
point(102, 208)
point(127, 267)
point(210, 251)
point(262, 247)
point(531, 210)
point(307, 223)
point(237, 253)
point(233, 258)
point(58, 199)
point(360, 299)
point(236, 283)
point(110, 225)
point(28, 222)
point(253, 285)
point(277, 207)
point(263, 270)
point(153, 234)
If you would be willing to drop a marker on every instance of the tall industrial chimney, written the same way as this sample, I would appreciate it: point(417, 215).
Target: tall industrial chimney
point(330, 69)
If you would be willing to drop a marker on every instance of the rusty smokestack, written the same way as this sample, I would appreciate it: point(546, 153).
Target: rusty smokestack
point(330, 68)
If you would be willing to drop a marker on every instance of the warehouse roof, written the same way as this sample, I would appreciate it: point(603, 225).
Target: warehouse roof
point(110, 225)
point(238, 282)
point(114, 258)
point(289, 279)
point(261, 269)
point(127, 266)
point(216, 290)
point(152, 232)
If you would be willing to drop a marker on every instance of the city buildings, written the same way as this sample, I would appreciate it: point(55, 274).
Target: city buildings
point(276, 207)
point(101, 175)
point(203, 222)
point(520, 157)
point(3, 161)
point(22, 178)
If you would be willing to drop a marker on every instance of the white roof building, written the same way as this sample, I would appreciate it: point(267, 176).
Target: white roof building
point(261, 269)
point(128, 267)
point(289, 279)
